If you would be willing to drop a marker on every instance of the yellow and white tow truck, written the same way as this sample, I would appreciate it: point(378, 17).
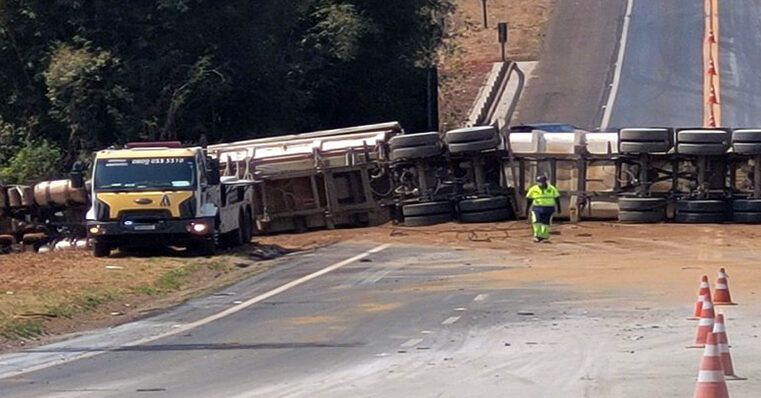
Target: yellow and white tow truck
point(161, 194)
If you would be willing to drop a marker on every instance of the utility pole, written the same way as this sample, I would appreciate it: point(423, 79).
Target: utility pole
point(502, 32)
point(486, 17)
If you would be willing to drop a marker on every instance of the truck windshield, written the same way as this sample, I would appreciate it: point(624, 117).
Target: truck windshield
point(153, 173)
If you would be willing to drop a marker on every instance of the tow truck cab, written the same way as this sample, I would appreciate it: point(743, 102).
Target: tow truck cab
point(151, 194)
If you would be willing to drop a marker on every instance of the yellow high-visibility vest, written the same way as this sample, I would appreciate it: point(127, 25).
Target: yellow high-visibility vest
point(543, 197)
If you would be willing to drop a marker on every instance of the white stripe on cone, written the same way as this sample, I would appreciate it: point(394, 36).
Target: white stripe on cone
point(710, 376)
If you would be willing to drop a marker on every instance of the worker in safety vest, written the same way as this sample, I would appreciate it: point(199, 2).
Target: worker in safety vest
point(542, 200)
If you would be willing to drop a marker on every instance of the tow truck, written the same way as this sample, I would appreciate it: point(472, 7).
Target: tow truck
point(162, 194)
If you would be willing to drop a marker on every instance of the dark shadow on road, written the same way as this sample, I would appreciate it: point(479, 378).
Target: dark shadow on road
point(199, 347)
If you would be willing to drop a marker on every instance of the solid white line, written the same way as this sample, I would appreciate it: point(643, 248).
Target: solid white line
point(619, 66)
point(450, 320)
point(411, 343)
point(201, 322)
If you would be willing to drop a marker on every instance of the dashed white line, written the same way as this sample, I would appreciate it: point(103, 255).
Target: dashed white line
point(450, 320)
point(411, 343)
point(481, 297)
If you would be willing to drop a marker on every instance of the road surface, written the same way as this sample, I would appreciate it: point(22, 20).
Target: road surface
point(661, 80)
point(570, 83)
point(740, 54)
point(407, 321)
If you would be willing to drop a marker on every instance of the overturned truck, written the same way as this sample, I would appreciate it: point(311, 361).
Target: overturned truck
point(368, 175)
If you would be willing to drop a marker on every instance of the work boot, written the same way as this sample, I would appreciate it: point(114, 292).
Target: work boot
point(537, 239)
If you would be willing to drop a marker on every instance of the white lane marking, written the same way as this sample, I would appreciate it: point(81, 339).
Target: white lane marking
point(201, 322)
point(619, 66)
point(411, 343)
point(481, 297)
point(450, 320)
point(461, 309)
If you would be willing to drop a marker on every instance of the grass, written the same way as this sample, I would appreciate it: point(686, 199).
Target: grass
point(172, 280)
point(70, 287)
point(22, 329)
point(219, 266)
point(146, 290)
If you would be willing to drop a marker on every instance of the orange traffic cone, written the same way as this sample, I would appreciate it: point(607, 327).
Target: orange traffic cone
point(704, 289)
point(705, 324)
point(721, 295)
point(711, 67)
point(720, 330)
point(711, 121)
point(711, 383)
point(711, 38)
point(712, 96)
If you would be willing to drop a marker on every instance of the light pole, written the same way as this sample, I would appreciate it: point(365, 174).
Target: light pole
point(486, 18)
point(502, 31)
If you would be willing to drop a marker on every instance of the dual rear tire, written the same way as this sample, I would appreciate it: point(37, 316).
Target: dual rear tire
point(483, 210)
point(642, 210)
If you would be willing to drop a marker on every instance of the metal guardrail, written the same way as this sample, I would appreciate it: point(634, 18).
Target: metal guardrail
point(489, 92)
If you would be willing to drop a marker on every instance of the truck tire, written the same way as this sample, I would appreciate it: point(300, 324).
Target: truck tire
point(414, 140)
point(703, 136)
point(747, 148)
point(101, 249)
point(644, 216)
point(747, 217)
point(474, 146)
point(699, 218)
point(421, 221)
point(417, 152)
point(654, 134)
point(645, 140)
point(747, 205)
point(481, 204)
point(470, 134)
point(429, 208)
point(746, 135)
point(248, 224)
point(705, 149)
point(641, 204)
point(701, 206)
point(643, 147)
point(493, 215)
point(206, 247)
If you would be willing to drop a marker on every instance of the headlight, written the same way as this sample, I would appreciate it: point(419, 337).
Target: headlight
point(199, 228)
point(95, 230)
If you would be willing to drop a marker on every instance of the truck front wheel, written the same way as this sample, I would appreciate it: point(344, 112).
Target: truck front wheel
point(207, 247)
point(101, 249)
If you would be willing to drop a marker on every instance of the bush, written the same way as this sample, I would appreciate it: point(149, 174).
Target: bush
point(35, 160)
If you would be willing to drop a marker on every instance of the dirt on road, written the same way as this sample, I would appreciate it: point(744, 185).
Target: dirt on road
point(610, 320)
point(664, 260)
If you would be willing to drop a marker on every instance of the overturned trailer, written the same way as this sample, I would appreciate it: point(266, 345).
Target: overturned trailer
point(323, 179)
point(32, 216)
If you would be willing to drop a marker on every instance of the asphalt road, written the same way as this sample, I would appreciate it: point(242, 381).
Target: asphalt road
point(662, 77)
point(740, 52)
point(359, 322)
point(407, 321)
point(570, 83)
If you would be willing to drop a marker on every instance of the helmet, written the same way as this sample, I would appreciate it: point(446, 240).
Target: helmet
point(541, 178)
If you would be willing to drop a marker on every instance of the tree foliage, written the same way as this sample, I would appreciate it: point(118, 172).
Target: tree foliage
point(85, 74)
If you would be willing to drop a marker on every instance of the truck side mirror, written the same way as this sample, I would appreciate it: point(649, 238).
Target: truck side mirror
point(77, 176)
point(212, 173)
